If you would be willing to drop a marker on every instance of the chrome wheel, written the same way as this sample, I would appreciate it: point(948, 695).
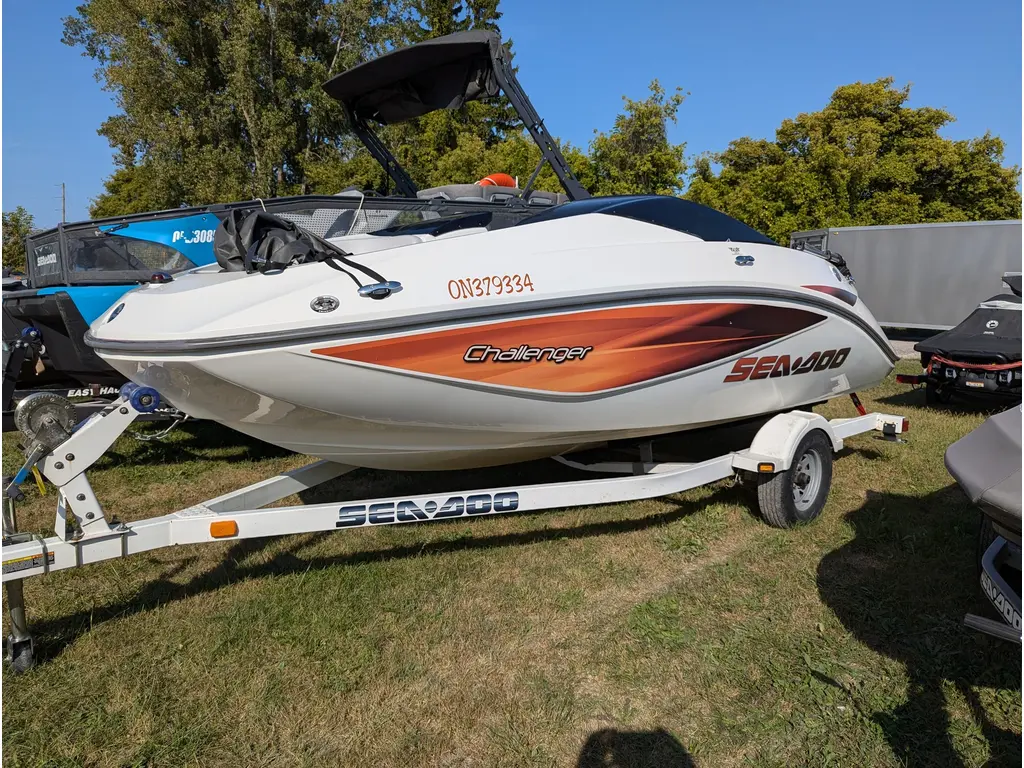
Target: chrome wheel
point(806, 480)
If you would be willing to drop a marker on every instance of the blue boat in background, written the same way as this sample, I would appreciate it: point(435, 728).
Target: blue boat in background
point(76, 273)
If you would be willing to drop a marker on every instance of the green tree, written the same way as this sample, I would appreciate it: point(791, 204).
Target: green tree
point(221, 99)
point(137, 188)
point(866, 158)
point(17, 225)
point(635, 156)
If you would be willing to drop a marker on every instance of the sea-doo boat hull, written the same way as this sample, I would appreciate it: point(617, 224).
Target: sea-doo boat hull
point(393, 417)
point(426, 379)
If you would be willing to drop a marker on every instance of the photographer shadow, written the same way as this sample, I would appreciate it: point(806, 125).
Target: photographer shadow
point(902, 587)
point(611, 748)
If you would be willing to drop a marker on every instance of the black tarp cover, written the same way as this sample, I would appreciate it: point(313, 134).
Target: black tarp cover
point(443, 73)
point(256, 241)
point(976, 338)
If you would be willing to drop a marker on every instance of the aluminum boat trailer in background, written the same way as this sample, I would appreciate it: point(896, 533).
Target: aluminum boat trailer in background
point(790, 457)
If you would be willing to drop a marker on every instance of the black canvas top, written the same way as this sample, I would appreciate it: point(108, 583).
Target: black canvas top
point(988, 334)
point(442, 73)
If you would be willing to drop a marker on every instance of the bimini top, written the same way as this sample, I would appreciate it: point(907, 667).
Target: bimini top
point(663, 211)
point(442, 73)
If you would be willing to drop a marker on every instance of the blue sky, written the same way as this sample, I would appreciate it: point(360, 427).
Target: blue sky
point(747, 64)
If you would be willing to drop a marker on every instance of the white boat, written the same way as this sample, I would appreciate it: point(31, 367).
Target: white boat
point(457, 342)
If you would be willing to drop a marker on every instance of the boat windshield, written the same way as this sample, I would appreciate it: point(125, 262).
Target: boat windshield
point(97, 257)
point(663, 211)
point(440, 225)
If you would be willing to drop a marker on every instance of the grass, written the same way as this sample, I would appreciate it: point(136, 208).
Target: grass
point(668, 632)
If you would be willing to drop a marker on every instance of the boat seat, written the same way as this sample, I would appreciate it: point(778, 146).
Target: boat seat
point(477, 193)
point(986, 464)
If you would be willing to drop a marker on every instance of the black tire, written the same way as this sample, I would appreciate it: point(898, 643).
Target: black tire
point(777, 494)
point(937, 394)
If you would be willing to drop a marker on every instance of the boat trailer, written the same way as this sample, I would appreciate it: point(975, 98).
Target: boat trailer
point(791, 477)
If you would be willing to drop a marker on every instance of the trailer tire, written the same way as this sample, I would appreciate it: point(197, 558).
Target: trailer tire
point(797, 495)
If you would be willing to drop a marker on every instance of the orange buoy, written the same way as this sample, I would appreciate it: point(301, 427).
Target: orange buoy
point(497, 180)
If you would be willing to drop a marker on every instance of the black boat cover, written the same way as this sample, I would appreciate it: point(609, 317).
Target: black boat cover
point(992, 332)
point(256, 241)
point(443, 73)
point(987, 462)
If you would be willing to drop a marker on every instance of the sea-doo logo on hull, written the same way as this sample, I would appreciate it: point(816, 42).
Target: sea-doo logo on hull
point(387, 512)
point(773, 366)
point(482, 353)
point(1000, 601)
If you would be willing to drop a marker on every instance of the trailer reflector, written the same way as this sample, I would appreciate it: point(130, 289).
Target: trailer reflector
point(766, 466)
point(223, 529)
point(911, 378)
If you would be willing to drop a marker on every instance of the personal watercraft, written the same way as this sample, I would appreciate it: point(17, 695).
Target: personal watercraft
point(980, 356)
point(986, 464)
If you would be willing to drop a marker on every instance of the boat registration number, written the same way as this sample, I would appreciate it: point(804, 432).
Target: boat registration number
point(489, 285)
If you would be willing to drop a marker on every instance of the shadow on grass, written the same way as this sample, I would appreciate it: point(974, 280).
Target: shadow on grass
point(55, 635)
point(192, 441)
point(961, 405)
point(610, 748)
point(902, 587)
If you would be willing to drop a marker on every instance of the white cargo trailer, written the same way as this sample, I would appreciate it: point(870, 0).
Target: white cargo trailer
point(924, 276)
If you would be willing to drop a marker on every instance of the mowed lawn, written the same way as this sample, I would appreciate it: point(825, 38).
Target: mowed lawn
point(671, 632)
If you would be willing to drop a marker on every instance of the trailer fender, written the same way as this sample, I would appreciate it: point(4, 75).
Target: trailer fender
point(777, 440)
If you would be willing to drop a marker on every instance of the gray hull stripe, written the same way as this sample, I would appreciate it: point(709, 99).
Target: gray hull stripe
point(489, 314)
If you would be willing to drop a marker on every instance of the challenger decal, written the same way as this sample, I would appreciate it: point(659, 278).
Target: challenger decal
point(408, 511)
point(774, 366)
point(612, 348)
point(479, 353)
point(475, 287)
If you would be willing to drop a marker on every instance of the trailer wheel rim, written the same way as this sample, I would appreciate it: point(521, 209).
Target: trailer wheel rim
point(806, 480)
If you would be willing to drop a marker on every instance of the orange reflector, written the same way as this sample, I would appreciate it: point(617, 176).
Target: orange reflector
point(222, 529)
point(765, 466)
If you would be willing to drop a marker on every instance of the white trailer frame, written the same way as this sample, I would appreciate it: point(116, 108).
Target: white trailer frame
point(85, 535)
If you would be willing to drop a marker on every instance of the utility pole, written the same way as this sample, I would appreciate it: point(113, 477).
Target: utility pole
point(63, 204)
